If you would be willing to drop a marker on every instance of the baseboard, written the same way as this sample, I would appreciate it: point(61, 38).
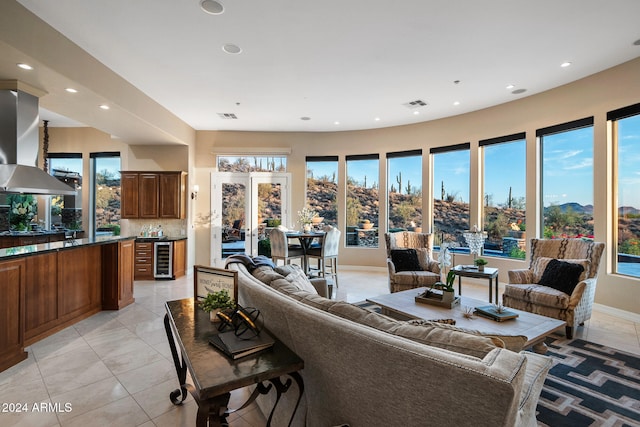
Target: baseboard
point(627, 315)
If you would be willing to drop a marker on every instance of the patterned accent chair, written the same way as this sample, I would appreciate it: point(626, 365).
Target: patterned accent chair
point(404, 280)
point(280, 248)
point(524, 293)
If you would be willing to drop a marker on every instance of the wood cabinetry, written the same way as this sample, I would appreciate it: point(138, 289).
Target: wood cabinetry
point(179, 258)
point(118, 275)
point(45, 292)
point(150, 195)
point(12, 289)
point(143, 261)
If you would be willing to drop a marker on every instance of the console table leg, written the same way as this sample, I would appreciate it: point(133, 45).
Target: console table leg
point(180, 394)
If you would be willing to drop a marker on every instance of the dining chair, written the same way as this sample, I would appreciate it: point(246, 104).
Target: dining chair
point(280, 249)
point(327, 254)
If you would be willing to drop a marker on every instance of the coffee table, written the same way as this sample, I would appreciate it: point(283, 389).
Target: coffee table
point(402, 306)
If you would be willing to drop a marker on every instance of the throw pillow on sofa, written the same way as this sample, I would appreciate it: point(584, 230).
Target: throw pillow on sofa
point(405, 260)
point(561, 275)
point(294, 275)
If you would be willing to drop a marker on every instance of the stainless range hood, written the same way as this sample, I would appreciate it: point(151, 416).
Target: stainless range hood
point(19, 145)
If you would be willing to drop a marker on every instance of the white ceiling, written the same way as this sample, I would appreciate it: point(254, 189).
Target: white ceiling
point(344, 61)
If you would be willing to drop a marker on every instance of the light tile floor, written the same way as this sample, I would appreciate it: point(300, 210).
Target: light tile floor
point(115, 368)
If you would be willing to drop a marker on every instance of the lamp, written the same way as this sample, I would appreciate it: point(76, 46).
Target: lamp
point(194, 193)
point(475, 240)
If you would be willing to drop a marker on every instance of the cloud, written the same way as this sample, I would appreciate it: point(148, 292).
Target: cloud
point(585, 163)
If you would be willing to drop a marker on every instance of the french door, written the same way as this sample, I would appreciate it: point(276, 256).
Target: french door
point(243, 206)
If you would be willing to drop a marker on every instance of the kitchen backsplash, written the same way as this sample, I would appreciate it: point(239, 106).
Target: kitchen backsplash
point(170, 227)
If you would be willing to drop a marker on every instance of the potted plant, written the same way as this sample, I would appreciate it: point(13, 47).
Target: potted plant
point(366, 225)
point(480, 263)
point(216, 302)
point(448, 291)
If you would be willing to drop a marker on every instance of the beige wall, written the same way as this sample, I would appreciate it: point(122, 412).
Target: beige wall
point(592, 96)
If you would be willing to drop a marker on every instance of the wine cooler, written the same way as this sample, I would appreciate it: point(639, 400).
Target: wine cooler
point(163, 260)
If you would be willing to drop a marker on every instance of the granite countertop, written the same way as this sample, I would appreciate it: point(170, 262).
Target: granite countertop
point(33, 233)
point(20, 251)
point(160, 239)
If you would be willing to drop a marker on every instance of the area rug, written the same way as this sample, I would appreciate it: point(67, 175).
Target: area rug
point(588, 385)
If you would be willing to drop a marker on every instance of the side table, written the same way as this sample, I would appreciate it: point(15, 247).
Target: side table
point(215, 375)
point(489, 273)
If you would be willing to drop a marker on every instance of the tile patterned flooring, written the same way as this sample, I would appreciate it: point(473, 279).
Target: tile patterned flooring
point(115, 368)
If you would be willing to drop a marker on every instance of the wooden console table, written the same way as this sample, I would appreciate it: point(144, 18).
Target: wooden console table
point(214, 375)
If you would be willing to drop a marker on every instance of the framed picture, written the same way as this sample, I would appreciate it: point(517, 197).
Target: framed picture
point(208, 279)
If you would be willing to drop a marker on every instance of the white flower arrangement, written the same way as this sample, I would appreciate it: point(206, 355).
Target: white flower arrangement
point(23, 209)
point(306, 215)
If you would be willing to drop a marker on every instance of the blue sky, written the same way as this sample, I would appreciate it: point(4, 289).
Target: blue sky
point(567, 173)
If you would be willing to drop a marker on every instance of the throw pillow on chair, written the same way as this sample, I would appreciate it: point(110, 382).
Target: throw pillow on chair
point(405, 260)
point(561, 275)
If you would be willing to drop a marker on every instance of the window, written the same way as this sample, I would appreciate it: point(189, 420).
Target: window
point(451, 193)
point(404, 180)
point(322, 187)
point(504, 184)
point(106, 193)
point(252, 164)
point(66, 211)
point(567, 179)
point(626, 128)
point(362, 200)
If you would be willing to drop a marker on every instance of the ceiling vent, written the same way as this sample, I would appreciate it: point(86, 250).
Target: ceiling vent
point(227, 116)
point(415, 104)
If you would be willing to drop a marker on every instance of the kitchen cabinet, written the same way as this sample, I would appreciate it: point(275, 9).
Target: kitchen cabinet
point(143, 261)
point(179, 258)
point(12, 288)
point(153, 195)
point(118, 275)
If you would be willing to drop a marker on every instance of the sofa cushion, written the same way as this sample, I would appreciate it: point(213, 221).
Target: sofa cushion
point(561, 275)
point(510, 342)
point(431, 334)
point(294, 275)
point(266, 274)
point(405, 260)
point(540, 265)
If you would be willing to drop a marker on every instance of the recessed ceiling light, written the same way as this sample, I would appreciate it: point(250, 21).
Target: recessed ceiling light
point(636, 43)
point(518, 91)
point(336, 122)
point(377, 119)
point(416, 113)
point(305, 118)
point(71, 90)
point(25, 66)
point(565, 64)
point(509, 87)
point(212, 7)
point(231, 49)
point(104, 107)
point(456, 103)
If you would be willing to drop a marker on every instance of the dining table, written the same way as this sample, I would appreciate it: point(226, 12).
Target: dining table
point(306, 239)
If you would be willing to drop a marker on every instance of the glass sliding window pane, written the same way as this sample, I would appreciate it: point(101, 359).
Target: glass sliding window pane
point(404, 178)
point(451, 196)
point(567, 182)
point(628, 195)
point(66, 211)
point(362, 201)
point(252, 164)
point(504, 197)
point(107, 193)
point(322, 188)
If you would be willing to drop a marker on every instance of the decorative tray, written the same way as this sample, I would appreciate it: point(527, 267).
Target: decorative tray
point(437, 300)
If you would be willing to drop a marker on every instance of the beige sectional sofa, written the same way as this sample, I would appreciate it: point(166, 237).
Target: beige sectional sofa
point(365, 369)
